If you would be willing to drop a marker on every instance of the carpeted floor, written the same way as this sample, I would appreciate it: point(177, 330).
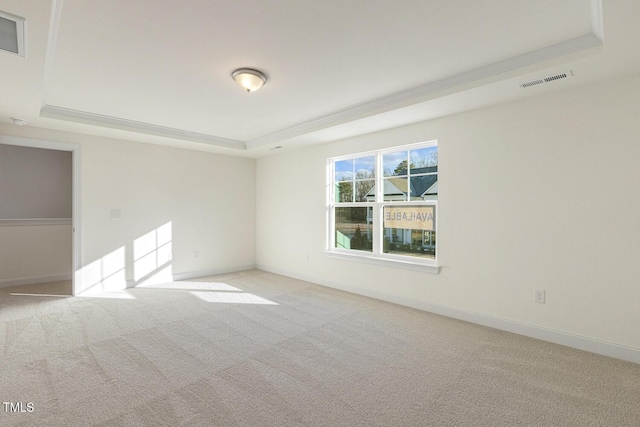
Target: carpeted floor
point(258, 349)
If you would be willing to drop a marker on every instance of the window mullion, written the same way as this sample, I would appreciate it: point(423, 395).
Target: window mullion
point(377, 214)
point(353, 180)
point(330, 218)
point(379, 180)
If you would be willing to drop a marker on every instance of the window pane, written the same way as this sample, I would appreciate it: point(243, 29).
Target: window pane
point(395, 189)
point(344, 170)
point(409, 230)
point(353, 228)
point(365, 191)
point(365, 167)
point(344, 192)
point(395, 164)
point(423, 157)
point(424, 187)
point(416, 243)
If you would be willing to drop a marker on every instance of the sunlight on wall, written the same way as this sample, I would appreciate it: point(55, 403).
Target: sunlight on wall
point(106, 277)
point(152, 254)
point(105, 274)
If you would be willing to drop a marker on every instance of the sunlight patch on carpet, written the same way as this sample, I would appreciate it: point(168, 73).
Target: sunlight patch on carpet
point(192, 286)
point(232, 298)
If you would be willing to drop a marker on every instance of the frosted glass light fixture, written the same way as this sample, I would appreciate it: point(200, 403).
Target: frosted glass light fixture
point(249, 79)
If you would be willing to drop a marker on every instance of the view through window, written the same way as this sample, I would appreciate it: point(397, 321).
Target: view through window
point(383, 203)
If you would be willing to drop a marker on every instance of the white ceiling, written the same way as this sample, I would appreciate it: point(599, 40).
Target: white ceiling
point(159, 71)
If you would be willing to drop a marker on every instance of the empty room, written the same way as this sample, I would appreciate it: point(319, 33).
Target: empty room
point(228, 213)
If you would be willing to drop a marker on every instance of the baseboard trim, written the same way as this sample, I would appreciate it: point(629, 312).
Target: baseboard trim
point(211, 272)
point(187, 275)
point(7, 283)
point(550, 335)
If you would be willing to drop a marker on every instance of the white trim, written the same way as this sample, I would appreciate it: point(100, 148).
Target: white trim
point(77, 218)
point(76, 195)
point(579, 342)
point(597, 21)
point(19, 281)
point(78, 116)
point(187, 275)
point(478, 77)
point(377, 254)
point(21, 33)
point(37, 143)
point(34, 222)
point(384, 262)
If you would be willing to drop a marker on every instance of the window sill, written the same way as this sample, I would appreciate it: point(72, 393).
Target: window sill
point(431, 268)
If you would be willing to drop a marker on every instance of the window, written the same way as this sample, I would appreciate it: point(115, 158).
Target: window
point(12, 33)
point(382, 204)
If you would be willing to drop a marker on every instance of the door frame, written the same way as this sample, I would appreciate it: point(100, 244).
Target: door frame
point(76, 212)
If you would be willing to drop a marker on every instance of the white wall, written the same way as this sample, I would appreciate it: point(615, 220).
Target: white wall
point(172, 202)
point(538, 194)
point(34, 253)
point(34, 183)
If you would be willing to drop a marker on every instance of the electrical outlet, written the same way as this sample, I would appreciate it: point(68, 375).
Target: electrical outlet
point(539, 296)
point(195, 254)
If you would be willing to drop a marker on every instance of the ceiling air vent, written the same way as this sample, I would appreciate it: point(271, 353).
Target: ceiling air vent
point(547, 79)
point(11, 33)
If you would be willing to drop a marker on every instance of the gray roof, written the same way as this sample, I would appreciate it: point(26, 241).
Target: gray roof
point(419, 184)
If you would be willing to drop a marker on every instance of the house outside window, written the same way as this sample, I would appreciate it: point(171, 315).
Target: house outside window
point(383, 204)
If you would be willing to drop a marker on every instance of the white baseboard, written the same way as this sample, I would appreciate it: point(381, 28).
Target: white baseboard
point(7, 283)
point(211, 272)
point(200, 273)
point(130, 283)
point(558, 337)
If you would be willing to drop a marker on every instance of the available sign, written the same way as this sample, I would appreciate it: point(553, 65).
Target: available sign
point(410, 217)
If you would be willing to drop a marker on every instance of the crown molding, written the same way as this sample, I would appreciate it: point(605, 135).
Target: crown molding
point(597, 21)
point(457, 83)
point(61, 113)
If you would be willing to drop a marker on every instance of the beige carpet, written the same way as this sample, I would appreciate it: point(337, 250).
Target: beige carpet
point(258, 349)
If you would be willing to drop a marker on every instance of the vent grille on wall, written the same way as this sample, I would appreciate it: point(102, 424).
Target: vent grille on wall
point(548, 79)
point(11, 33)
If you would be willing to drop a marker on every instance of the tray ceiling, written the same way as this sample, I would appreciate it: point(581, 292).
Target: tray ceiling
point(161, 71)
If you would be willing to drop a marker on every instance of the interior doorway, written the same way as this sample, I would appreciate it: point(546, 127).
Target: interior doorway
point(43, 216)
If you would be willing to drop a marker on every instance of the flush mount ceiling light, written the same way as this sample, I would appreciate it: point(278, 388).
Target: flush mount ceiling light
point(249, 79)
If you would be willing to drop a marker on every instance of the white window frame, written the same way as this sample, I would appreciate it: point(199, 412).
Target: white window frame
point(377, 255)
point(20, 33)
